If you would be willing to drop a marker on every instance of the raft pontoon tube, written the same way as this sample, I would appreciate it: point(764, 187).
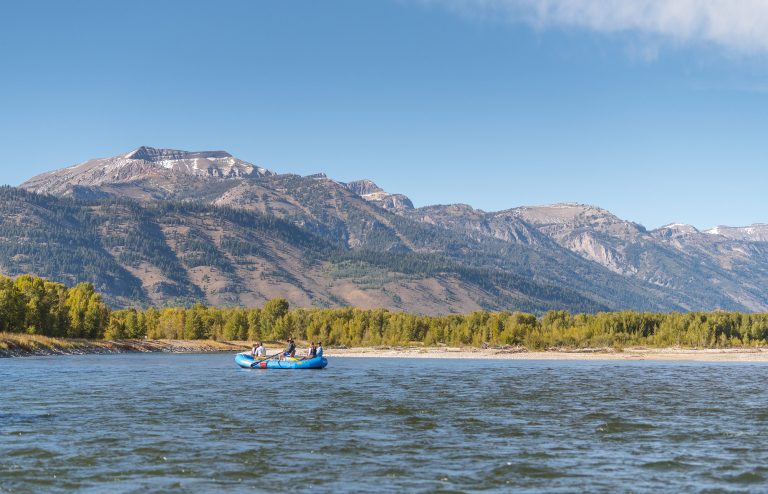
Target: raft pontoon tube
point(246, 361)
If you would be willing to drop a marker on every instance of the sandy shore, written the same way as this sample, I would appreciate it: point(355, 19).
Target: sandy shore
point(669, 354)
point(15, 345)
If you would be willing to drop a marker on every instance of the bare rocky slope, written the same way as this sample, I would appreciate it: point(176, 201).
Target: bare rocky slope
point(168, 226)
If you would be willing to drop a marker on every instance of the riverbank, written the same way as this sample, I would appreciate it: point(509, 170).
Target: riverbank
point(21, 345)
point(746, 354)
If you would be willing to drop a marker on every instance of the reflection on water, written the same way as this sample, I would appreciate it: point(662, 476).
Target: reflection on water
point(137, 423)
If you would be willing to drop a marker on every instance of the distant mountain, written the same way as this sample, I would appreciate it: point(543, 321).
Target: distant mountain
point(754, 233)
point(168, 226)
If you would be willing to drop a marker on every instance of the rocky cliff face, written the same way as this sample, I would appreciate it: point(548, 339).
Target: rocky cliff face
point(375, 194)
point(591, 232)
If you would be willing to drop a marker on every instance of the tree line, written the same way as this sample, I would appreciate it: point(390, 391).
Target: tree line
point(36, 306)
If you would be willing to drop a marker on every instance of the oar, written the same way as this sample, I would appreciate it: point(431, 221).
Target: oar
point(265, 358)
point(256, 363)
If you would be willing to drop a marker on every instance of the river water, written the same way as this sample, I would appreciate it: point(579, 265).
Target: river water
point(197, 423)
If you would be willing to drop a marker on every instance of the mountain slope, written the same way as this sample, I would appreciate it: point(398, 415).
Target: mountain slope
point(698, 270)
point(517, 258)
point(179, 253)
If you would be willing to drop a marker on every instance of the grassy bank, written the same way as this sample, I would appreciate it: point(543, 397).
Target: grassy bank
point(22, 345)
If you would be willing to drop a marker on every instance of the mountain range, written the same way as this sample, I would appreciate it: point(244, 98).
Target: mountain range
point(162, 226)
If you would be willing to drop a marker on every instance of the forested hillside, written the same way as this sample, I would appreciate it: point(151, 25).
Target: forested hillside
point(173, 253)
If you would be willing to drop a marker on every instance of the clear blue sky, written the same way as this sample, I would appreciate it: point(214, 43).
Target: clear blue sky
point(445, 101)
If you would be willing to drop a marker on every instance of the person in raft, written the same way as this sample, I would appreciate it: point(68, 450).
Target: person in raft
point(290, 349)
point(258, 351)
point(311, 351)
point(319, 349)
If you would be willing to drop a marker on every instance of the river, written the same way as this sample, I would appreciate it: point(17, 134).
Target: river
point(197, 423)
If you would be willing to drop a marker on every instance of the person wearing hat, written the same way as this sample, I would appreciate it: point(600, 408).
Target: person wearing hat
point(290, 349)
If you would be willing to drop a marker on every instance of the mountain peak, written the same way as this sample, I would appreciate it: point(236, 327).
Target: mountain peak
point(148, 153)
point(565, 213)
point(162, 166)
point(363, 187)
point(675, 229)
point(371, 192)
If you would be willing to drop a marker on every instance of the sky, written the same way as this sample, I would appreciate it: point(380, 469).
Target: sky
point(656, 110)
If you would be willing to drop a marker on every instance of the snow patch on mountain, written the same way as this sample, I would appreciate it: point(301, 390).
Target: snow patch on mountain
point(757, 232)
point(677, 229)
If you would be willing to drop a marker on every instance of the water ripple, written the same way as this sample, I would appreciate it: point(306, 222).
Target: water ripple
point(196, 423)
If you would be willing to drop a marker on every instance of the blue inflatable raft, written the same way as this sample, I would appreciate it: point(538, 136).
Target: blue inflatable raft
point(246, 361)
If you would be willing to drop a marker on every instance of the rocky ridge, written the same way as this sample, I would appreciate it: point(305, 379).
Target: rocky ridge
point(753, 233)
